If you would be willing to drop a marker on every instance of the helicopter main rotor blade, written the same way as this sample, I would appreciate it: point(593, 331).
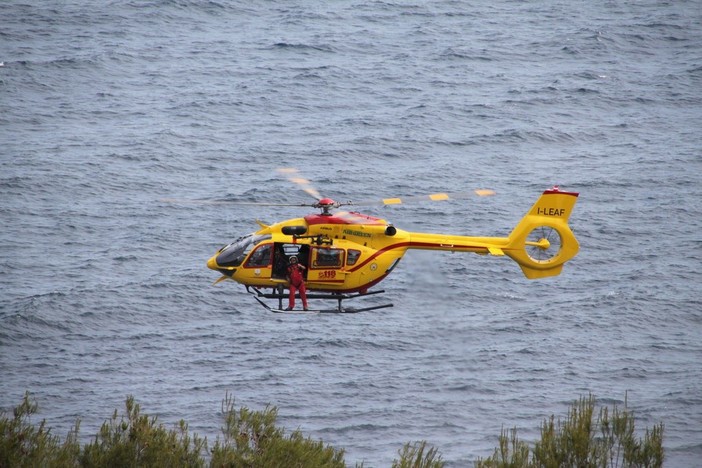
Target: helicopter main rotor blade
point(416, 198)
point(229, 202)
point(305, 184)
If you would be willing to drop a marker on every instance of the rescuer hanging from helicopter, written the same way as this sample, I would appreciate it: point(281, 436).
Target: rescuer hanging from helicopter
point(295, 276)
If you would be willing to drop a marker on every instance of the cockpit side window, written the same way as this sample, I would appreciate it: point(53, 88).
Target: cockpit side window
point(261, 257)
point(235, 253)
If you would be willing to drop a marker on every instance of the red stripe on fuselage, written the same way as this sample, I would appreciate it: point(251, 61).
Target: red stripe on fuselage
point(407, 245)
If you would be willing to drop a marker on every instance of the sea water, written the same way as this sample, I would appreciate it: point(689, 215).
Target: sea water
point(107, 110)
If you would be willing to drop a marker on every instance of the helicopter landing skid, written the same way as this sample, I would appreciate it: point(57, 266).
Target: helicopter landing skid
point(258, 294)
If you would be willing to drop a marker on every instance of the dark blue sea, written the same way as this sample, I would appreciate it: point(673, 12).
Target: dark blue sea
point(107, 109)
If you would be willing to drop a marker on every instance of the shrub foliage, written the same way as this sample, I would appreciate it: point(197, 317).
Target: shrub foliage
point(414, 456)
point(251, 439)
point(22, 444)
point(138, 440)
point(580, 440)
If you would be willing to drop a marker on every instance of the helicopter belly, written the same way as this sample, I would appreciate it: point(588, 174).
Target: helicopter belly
point(373, 270)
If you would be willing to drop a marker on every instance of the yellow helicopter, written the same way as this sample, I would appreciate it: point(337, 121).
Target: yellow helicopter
point(346, 253)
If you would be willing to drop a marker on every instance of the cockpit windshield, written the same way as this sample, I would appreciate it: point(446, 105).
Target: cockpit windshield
point(234, 254)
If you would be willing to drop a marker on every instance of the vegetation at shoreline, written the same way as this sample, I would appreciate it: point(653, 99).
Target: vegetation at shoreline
point(580, 440)
point(252, 439)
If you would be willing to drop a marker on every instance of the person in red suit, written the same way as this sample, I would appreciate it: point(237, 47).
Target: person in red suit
point(295, 276)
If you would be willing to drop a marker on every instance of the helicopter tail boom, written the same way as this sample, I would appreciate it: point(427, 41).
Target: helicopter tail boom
point(540, 243)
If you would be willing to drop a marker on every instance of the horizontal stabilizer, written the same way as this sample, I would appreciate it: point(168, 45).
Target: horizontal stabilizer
point(495, 251)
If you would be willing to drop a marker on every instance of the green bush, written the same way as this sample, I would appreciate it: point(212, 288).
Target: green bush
point(608, 441)
point(22, 444)
point(137, 440)
point(251, 439)
point(413, 456)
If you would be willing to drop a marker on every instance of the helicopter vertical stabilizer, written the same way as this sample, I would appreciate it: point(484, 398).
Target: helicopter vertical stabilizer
point(542, 241)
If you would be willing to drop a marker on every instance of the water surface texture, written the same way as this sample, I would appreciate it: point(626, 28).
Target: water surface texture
point(107, 110)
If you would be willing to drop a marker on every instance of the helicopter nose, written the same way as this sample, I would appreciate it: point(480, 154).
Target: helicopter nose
point(226, 271)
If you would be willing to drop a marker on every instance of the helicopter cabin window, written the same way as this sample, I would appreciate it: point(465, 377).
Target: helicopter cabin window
point(261, 257)
point(352, 256)
point(327, 258)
